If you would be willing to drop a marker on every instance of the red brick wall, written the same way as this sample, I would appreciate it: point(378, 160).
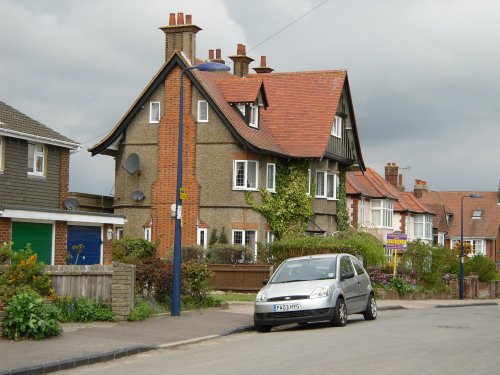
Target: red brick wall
point(63, 177)
point(5, 229)
point(355, 213)
point(164, 188)
point(61, 242)
point(107, 246)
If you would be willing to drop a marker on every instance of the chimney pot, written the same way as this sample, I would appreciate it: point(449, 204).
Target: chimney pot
point(263, 61)
point(218, 54)
point(171, 21)
point(180, 18)
point(241, 50)
point(210, 54)
point(189, 19)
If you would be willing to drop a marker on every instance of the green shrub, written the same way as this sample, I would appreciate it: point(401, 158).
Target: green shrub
point(400, 285)
point(132, 250)
point(229, 254)
point(29, 317)
point(5, 252)
point(364, 244)
point(142, 310)
point(82, 309)
point(25, 271)
point(481, 266)
point(193, 253)
point(195, 283)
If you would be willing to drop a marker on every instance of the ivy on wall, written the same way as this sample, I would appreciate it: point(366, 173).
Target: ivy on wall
point(342, 212)
point(288, 209)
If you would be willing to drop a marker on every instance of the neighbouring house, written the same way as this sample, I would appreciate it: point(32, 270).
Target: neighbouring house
point(481, 218)
point(34, 204)
point(237, 128)
point(377, 206)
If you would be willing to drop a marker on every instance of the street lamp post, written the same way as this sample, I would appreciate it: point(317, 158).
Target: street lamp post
point(176, 276)
point(462, 241)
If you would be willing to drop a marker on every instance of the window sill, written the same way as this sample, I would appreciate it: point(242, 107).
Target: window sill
point(244, 189)
point(154, 122)
point(36, 176)
point(202, 120)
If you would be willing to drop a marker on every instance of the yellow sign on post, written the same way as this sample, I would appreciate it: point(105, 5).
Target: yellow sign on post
point(183, 193)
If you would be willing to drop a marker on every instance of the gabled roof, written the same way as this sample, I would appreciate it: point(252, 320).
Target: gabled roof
point(18, 125)
point(450, 202)
point(371, 185)
point(297, 123)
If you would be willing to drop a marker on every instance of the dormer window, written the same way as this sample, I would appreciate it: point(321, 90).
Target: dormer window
point(154, 112)
point(477, 214)
point(253, 120)
point(242, 108)
point(337, 127)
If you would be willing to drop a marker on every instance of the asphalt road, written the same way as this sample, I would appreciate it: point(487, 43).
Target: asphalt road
point(462, 340)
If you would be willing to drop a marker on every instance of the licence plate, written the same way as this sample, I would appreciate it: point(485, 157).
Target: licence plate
point(287, 307)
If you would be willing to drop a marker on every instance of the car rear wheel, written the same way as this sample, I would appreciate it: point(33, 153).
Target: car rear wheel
point(340, 314)
point(371, 309)
point(263, 328)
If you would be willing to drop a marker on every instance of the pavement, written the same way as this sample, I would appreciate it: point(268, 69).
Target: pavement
point(87, 343)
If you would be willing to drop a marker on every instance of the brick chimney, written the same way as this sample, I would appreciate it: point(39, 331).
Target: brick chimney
point(263, 68)
point(180, 34)
point(393, 177)
point(420, 188)
point(241, 61)
point(217, 58)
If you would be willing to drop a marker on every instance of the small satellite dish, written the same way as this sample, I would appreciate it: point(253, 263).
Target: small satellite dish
point(71, 204)
point(138, 195)
point(132, 163)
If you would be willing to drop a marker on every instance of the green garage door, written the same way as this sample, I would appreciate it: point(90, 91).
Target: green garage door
point(38, 235)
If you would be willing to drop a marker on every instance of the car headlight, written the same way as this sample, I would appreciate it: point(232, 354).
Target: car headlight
point(320, 292)
point(261, 297)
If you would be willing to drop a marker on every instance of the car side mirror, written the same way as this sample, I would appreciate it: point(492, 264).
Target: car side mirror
point(345, 276)
point(265, 281)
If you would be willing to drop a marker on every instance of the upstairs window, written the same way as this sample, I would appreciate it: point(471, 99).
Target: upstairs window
point(271, 177)
point(154, 112)
point(1, 154)
point(242, 108)
point(337, 127)
point(331, 186)
point(423, 227)
point(245, 175)
point(202, 111)
point(476, 214)
point(320, 184)
point(253, 121)
point(36, 159)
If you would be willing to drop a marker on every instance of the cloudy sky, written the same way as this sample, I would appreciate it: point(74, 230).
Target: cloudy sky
point(424, 74)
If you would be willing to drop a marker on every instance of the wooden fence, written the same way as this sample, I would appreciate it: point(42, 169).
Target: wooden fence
point(82, 281)
point(239, 277)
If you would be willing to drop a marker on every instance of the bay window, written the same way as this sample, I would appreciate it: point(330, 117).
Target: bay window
point(246, 238)
point(423, 227)
point(382, 211)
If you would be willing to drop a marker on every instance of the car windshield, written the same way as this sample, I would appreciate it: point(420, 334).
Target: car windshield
point(305, 270)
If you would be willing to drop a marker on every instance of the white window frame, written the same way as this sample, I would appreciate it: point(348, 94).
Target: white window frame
point(322, 193)
point(202, 233)
point(308, 192)
point(202, 118)
point(119, 233)
point(423, 227)
point(337, 127)
point(147, 233)
point(271, 177)
point(384, 209)
point(331, 194)
point(362, 212)
point(245, 177)
point(152, 118)
point(476, 214)
point(253, 120)
point(1, 154)
point(242, 108)
point(478, 245)
point(36, 155)
point(269, 236)
point(244, 239)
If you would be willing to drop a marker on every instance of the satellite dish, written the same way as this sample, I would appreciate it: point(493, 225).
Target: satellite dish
point(132, 163)
point(138, 195)
point(71, 204)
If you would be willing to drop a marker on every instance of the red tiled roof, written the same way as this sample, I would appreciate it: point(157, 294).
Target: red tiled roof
point(241, 90)
point(485, 227)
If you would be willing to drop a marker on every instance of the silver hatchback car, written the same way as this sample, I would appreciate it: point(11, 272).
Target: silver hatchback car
point(315, 288)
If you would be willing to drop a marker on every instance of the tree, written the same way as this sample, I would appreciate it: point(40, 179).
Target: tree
point(288, 209)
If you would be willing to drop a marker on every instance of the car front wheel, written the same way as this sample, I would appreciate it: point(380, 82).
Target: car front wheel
point(371, 309)
point(263, 328)
point(340, 314)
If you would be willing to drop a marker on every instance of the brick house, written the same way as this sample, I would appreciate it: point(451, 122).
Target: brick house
point(34, 178)
point(377, 205)
point(237, 126)
point(481, 218)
